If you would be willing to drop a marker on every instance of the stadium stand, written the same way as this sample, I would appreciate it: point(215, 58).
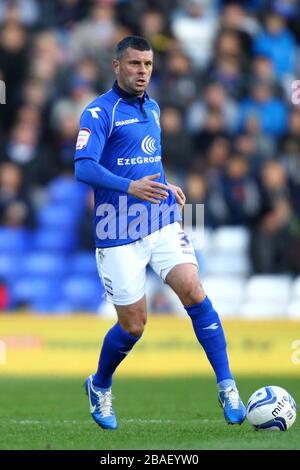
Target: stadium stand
point(224, 74)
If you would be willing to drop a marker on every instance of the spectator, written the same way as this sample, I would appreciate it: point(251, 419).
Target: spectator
point(94, 33)
point(214, 126)
point(241, 194)
point(271, 233)
point(255, 150)
point(154, 27)
point(63, 14)
point(64, 135)
point(227, 71)
point(277, 42)
point(264, 111)
point(195, 26)
point(215, 97)
point(27, 13)
point(234, 17)
point(16, 208)
point(177, 145)
point(290, 146)
point(228, 44)
point(196, 192)
point(14, 61)
point(23, 148)
point(263, 71)
point(80, 93)
point(178, 81)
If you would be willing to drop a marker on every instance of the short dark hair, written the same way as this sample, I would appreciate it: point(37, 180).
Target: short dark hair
point(135, 42)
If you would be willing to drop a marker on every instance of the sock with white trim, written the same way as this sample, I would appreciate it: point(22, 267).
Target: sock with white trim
point(208, 329)
point(116, 345)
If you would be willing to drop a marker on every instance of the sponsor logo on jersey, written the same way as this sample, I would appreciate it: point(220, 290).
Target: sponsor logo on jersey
point(83, 138)
point(138, 160)
point(127, 121)
point(148, 145)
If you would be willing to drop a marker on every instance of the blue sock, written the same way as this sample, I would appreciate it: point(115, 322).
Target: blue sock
point(208, 328)
point(116, 345)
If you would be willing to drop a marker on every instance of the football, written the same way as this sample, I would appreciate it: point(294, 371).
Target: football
point(271, 408)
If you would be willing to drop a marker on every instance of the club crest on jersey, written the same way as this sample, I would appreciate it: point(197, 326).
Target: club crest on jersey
point(156, 118)
point(83, 138)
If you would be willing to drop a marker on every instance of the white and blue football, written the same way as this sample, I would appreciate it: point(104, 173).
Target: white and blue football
point(271, 408)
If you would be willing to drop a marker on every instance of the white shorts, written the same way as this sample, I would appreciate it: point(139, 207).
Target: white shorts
point(122, 269)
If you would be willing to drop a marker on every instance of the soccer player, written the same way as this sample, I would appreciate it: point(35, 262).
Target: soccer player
point(137, 219)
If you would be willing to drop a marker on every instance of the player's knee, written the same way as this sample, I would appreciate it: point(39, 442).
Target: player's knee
point(134, 325)
point(193, 294)
point(136, 330)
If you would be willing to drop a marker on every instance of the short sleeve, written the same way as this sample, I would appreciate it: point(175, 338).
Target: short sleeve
point(93, 134)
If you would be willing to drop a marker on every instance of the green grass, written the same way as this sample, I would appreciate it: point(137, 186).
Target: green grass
point(167, 413)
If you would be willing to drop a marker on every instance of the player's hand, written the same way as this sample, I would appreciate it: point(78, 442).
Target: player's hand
point(179, 194)
point(149, 190)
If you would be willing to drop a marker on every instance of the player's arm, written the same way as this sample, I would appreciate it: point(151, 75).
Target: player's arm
point(92, 137)
point(92, 173)
point(93, 134)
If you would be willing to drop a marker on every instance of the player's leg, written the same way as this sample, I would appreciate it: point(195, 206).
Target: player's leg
point(177, 266)
point(184, 280)
point(117, 343)
point(119, 340)
point(125, 288)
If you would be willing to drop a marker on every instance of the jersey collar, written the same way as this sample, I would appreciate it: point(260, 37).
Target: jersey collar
point(128, 96)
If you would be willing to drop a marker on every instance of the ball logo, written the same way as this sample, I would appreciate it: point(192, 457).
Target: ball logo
point(148, 145)
point(280, 406)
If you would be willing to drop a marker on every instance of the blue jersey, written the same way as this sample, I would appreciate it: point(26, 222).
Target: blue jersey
point(122, 133)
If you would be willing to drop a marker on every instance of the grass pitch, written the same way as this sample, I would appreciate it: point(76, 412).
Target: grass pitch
point(165, 413)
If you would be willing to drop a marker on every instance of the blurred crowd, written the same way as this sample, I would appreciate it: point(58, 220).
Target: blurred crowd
point(224, 73)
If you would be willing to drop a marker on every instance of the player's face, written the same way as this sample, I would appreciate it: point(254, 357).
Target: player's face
point(134, 70)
